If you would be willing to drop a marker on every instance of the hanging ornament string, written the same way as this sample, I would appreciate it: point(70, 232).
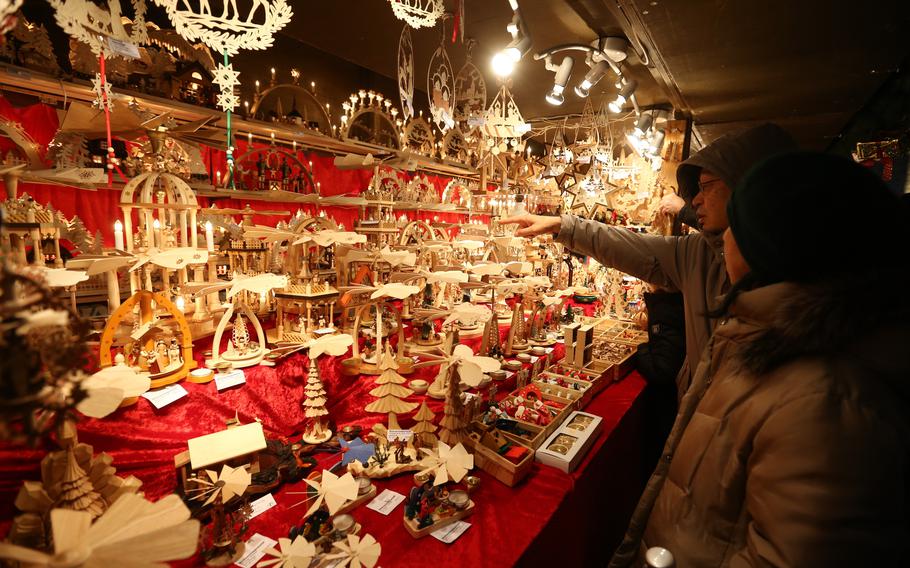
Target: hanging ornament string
point(104, 93)
point(230, 136)
point(457, 25)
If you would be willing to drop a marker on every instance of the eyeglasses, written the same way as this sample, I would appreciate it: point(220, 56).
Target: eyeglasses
point(703, 184)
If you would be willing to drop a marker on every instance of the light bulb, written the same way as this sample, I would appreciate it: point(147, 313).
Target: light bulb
point(555, 97)
point(503, 65)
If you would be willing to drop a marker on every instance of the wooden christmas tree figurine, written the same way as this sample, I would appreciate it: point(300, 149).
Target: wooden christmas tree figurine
point(424, 428)
point(76, 489)
point(240, 337)
point(518, 333)
point(389, 393)
point(491, 346)
point(453, 428)
point(318, 430)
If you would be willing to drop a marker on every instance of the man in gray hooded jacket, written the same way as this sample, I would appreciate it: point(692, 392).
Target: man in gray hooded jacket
point(692, 264)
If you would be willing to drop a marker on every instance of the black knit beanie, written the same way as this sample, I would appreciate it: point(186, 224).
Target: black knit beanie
point(802, 216)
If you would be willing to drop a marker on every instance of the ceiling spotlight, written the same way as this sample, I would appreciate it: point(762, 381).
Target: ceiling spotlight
point(594, 75)
point(642, 125)
point(655, 143)
point(625, 91)
point(504, 61)
point(563, 73)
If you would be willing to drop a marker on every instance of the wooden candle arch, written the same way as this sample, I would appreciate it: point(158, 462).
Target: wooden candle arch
point(356, 366)
point(145, 299)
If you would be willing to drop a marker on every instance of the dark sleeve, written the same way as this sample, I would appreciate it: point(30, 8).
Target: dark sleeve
point(687, 216)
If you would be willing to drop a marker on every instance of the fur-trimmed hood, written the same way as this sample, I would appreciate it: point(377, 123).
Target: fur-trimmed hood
point(841, 319)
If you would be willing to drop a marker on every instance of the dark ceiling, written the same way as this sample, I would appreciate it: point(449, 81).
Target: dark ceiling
point(808, 65)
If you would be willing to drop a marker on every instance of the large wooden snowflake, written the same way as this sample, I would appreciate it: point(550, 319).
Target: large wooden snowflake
point(232, 29)
point(418, 13)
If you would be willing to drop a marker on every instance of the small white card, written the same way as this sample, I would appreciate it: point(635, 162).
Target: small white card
point(386, 501)
point(255, 550)
point(228, 380)
point(124, 48)
point(534, 358)
point(403, 435)
point(262, 505)
point(165, 396)
point(549, 349)
point(450, 533)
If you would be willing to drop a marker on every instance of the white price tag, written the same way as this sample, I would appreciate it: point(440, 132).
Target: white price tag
point(165, 396)
point(386, 501)
point(450, 533)
point(123, 48)
point(262, 505)
point(228, 380)
point(255, 550)
point(403, 435)
point(534, 358)
point(549, 349)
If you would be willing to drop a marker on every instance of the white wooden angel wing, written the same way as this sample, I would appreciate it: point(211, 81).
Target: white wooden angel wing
point(447, 276)
point(487, 269)
point(259, 284)
point(395, 290)
point(334, 345)
point(61, 277)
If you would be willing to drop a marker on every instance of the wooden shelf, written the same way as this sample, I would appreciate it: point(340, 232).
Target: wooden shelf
point(51, 89)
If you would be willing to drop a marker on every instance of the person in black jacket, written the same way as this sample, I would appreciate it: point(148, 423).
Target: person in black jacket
point(659, 361)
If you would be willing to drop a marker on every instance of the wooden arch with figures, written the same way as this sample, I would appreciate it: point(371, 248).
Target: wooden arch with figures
point(147, 302)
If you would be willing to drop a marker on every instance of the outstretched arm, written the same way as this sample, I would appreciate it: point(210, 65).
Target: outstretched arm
point(649, 257)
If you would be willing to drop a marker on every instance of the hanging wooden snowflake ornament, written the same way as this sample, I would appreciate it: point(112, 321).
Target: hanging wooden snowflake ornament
point(226, 79)
point(441, 89)
point(102, 90)
point(232, 29)
point(91, 24)
point(406, 73)
point(418, 13)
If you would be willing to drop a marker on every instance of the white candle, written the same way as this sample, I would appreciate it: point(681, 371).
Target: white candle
point(159, 238)
point(209, 237)
point(218, 178)
point(118, 235)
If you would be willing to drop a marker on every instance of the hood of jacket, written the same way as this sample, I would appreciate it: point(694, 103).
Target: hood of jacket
point(731, 156)
point(839, 319)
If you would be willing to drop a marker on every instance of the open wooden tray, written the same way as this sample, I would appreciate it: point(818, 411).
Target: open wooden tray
point(492, 462)
point(566, 447)
point(546, 430)
point(579, 397)
point(411, 524)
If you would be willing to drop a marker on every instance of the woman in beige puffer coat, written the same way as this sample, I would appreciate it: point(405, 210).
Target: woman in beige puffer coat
point(792, 447)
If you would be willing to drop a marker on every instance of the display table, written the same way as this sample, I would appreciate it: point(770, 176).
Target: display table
point(550, 515)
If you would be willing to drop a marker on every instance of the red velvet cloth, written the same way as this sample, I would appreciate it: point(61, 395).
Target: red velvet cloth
point(143, 442)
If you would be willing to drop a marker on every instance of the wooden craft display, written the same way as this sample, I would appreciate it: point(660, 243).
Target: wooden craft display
point(511, 473)
point(238, 356)
point(355, 365)
point(566, 447)
point(438, 522)
point(545, 430)
point(147, 304)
